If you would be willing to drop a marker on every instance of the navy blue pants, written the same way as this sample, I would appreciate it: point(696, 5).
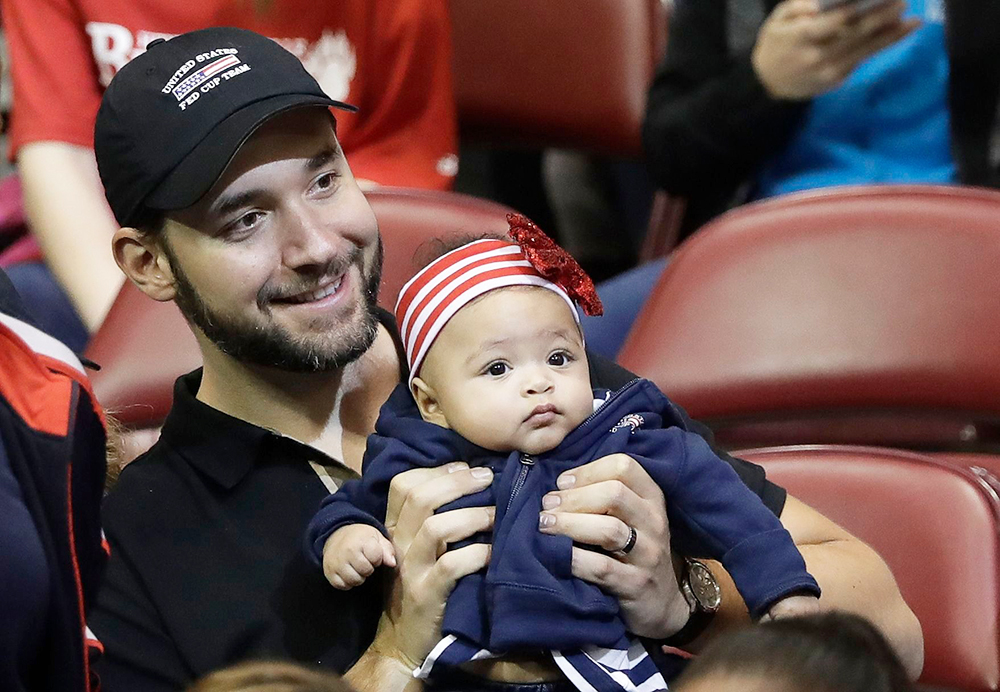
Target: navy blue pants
point(623, 296)
point(49, 306)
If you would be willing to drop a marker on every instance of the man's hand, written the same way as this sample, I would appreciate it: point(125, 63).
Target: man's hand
point(596, 504)
point(427, 570)
point(351, 554)
point(802, 52)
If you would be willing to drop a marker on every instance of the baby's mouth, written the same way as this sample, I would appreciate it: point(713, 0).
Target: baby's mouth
point(542, 412)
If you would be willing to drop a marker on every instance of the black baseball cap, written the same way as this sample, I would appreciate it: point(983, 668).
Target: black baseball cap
point(174, 117)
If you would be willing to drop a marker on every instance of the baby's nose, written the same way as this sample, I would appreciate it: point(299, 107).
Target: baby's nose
point(538, 383)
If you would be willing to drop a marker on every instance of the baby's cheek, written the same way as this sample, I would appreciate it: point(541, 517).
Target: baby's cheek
point(583, 410)
point(490, 429)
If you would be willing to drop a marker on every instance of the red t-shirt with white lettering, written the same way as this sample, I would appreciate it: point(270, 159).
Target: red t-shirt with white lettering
point(390, 58)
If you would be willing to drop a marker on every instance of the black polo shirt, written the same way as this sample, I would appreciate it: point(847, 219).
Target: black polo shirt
point(207, 566)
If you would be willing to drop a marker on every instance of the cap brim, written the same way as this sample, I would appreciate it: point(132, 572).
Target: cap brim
point(199, 170)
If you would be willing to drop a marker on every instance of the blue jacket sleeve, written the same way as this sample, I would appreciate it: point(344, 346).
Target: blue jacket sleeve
point(361, 501)
point(713, 514)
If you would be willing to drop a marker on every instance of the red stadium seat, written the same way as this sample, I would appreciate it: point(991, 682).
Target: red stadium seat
point(409, 218)
point(852, 315)
point(143, 346)
point(560, 73)
point(566, 74)
point(937, 528)
point(986, 466)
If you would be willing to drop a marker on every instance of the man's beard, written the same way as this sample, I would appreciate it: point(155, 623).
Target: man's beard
point(269, 344)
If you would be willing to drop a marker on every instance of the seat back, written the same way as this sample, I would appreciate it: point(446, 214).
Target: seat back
point(934, 524)
point(408, 219)
point(861, 315)
point(142, 347)
point(560, 73)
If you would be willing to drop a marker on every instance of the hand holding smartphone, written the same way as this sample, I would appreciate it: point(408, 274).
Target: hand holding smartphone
point(861, 6)
point(801, 53)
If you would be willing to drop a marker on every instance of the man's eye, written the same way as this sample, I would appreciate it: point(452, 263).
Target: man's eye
point(248, 220)
point(558, 359)
point(325, 181)
point(243, 225)
point(497, 369)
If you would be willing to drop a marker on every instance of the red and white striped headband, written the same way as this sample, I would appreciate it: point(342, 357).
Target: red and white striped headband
point(452, 281)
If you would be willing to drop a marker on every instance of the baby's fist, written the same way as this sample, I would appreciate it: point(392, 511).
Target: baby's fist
point(352, 553)
point(793, 606)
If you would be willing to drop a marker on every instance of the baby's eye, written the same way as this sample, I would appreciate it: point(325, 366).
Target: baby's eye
point(497, 369)
point(559, 358)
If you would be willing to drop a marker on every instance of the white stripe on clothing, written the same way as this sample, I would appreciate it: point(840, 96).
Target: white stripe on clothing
point(41, 343)
point(423, 312)
point(425, 668)
point(437, 280)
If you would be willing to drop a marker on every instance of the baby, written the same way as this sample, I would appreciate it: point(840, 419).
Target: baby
point(499, 377)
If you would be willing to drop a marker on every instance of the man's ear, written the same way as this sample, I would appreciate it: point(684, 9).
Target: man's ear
point(143, 260)
point(427, 402)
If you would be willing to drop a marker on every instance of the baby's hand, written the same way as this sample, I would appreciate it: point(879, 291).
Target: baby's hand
point(352, 553)
point(793, 606)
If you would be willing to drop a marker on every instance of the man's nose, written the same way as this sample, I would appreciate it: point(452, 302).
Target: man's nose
point(308, 241)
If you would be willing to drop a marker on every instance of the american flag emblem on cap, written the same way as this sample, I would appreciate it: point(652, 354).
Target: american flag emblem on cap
point(198, 78)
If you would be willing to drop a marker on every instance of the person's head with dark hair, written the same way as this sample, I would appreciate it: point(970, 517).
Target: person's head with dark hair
point(270, 676)
point(435, 248)
point(220, 159)
point(830, 652)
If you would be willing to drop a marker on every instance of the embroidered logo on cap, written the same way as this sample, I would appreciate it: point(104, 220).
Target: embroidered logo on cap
point(183, 84)
point(203, 75)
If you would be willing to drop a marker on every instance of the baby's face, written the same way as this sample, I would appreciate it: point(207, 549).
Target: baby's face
point(508, 372)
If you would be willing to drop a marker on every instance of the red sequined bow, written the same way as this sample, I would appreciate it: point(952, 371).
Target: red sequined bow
point(554, 263)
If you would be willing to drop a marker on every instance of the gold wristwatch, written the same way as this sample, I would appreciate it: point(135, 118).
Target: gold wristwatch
point(703, 596)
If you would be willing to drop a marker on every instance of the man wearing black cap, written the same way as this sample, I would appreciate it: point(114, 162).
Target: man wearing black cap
point(220, 160)
point(276, 268)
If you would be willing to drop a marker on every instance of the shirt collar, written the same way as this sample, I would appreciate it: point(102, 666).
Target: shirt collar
point(221, 446)
point(225, 448)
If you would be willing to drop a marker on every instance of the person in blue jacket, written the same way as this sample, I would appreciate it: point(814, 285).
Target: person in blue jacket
point(499, 378)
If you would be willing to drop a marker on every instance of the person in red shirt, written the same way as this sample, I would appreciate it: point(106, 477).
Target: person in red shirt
point(391, 59)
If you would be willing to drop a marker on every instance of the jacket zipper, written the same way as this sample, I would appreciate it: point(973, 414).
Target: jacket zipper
point(611, 398)
point(526, 463)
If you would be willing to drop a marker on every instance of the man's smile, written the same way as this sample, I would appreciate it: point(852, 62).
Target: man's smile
point(325, 289)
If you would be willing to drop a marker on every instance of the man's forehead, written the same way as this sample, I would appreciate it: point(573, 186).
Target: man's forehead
point(301, 134)
point(306, 138)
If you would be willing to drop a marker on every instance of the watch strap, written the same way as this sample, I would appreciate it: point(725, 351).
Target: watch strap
point(697, 623)
point(700, 617)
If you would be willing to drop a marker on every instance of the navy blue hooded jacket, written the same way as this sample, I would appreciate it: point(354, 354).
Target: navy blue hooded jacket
point(527, 598)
